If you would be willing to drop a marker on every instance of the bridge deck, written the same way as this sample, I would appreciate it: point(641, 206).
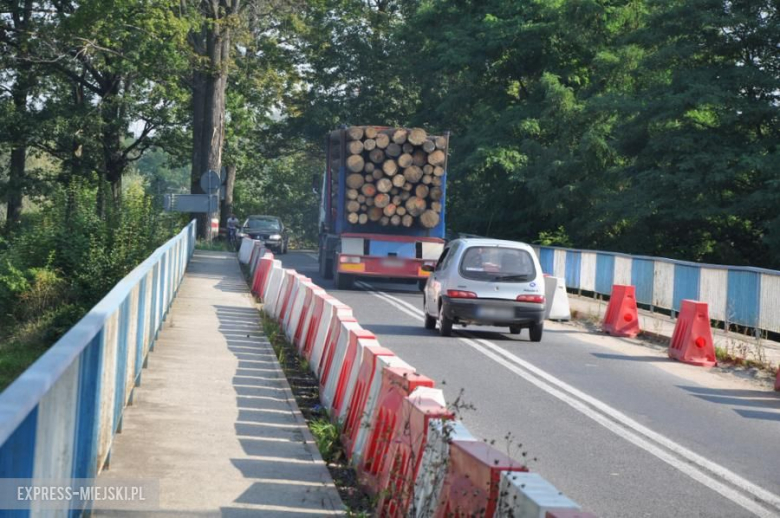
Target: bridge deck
point(214, 420)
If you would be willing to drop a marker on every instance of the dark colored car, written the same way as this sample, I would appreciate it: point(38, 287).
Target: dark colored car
point(268, 229)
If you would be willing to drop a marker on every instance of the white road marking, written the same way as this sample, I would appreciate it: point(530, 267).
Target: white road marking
point(615, 421)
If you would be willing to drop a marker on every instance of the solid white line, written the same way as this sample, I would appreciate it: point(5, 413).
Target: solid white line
point(494, 351)
point(715, 468)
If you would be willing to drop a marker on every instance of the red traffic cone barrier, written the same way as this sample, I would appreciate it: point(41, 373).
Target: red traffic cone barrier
point(622, 318)
point(692, 338)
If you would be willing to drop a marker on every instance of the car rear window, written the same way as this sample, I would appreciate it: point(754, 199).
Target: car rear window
point(492, 263)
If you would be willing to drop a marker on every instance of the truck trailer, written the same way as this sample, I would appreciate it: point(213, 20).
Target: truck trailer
point(382, 204)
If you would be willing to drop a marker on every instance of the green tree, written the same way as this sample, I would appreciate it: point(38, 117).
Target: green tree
point(704, 131)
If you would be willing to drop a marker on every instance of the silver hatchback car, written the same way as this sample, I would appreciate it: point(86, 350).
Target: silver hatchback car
point(486, 282)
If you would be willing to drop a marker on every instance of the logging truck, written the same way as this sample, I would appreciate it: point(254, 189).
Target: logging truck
point(382, 204)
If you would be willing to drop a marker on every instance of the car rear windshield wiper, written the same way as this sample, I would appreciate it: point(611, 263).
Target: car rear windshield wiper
point(520, 277)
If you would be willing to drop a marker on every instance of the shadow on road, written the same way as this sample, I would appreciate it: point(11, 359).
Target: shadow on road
point(769, 401)
point(624, 357)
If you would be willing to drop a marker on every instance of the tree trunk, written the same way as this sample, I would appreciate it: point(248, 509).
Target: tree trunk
point(19, 92)
point(209, 86)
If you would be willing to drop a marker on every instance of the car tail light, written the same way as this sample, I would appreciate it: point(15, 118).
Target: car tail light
point(536, 299)
point(459, 294)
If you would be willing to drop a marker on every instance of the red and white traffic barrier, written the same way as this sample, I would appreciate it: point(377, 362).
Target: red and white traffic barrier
point(471, 486)
point(528, 494)
point(433, 467)
point(330, 308)
point(306, 318)
point(247, 244)
point(397, 384)
point(410, 438)
point(260, 280)
point(396, 428)
point(273, 288)
point(295, 311)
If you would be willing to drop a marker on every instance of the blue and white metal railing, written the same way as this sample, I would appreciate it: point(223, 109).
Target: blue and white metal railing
point(744, 296)
point(58, 419)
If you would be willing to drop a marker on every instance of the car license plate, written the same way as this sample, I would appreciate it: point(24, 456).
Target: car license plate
point(496, 313)
point(392, 263)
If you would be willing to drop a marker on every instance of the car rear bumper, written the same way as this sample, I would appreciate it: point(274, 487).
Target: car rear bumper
point(492, 312)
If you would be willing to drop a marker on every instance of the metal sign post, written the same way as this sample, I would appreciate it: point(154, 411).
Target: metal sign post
point(207, 203)
point(210, 182)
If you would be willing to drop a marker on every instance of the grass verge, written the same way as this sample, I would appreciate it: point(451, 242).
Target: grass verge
point(305, 389)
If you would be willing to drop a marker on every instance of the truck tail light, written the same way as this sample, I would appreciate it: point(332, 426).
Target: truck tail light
point(459, 294)
point(536, 299)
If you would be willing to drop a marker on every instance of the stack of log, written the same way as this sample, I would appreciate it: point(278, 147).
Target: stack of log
point(394, 176)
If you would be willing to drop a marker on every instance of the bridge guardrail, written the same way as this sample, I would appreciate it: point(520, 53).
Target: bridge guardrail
point(740, 295)
point(58, 419)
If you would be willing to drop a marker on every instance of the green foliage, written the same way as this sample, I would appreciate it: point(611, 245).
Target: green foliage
point(645, 126)
point(326, 434)
point(283, 187)
point(63, 259)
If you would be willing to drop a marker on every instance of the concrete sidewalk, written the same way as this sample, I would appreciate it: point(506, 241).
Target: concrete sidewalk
point(738, 345)
point(215, 421)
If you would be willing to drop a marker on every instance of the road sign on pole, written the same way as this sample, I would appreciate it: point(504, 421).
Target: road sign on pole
point(208, 203)
point(210, 182)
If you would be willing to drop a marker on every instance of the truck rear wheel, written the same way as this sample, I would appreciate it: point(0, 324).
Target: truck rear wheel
point(326, 266)
point(344, 281)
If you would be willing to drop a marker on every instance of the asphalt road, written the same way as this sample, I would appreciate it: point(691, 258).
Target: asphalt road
point(616, 426)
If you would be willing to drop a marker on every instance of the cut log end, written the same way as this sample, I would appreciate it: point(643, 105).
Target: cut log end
point(390, 167)
point(377, 156)
point(415, 206)
point(429, 219)
point(382, 140)
point(413, 174)
point(399, 136)
point(405, 160)
point(437, 157)
point(382, 200)
point(384, 185)
point(375, 214)
point(355, 147)
point(355, 163)
point(355, 181)
point(417, 136)
point(394, 150)
point(355, 133)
